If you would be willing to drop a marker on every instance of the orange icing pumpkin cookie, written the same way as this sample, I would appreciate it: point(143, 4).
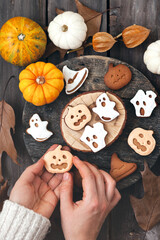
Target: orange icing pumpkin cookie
point(142, 141)
point(57, 160)
point(120, 169)
point(118, 76)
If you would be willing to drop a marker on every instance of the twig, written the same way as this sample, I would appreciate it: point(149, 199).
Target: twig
point(101, 13)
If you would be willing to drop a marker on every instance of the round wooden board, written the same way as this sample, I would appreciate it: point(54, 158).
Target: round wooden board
point(98, 66)
point(114, 128)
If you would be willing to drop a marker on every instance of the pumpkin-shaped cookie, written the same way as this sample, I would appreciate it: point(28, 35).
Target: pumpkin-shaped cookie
point(57, 160)
point(77, 117)
point(22, 41)
point(41, 83)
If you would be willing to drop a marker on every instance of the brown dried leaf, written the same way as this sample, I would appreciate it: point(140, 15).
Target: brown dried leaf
point(59, 11)
point(134, 35)
point(3, 193)
point(91, 17)
point(102, 41)
point(147, 210)
point(7, 122)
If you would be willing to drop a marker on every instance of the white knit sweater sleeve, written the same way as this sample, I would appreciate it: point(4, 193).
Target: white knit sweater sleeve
point(20, 223)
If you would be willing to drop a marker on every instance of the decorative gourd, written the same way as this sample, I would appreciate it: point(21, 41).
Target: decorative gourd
point(152, 57)
point(67, 30)
point(41, 83)
point(22, 41)
point(102, 41)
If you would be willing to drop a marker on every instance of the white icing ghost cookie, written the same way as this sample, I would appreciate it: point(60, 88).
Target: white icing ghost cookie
point(94, 137)
point(105, 108)
point(144, 103)
point(74, 79)
point(38, 129)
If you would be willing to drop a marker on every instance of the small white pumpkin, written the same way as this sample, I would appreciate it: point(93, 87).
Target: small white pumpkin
point(152, 57)
point(67, 30)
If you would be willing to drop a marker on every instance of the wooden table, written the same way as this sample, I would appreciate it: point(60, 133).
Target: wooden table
point(121, 223)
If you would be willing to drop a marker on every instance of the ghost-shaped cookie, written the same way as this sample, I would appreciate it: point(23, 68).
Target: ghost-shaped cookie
point(38, 129)
point(74, 79)
point(144, 103)
point(94, 136)
point(105, 108)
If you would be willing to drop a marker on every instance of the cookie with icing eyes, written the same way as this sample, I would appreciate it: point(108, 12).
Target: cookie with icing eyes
point(144, 103)
point(58, 160)
point(77, 117)
point(38, 128)
point(118, 76)
point(142, 141)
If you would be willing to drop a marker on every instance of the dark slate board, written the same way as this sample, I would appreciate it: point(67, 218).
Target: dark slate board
point(97, 68)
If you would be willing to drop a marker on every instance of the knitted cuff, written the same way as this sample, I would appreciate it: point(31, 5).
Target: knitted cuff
point(20, 223)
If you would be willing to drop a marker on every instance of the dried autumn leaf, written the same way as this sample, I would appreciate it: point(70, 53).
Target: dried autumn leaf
point(91, 17)
point(7, 122)
point(134, 35)
point(3, 193)
point(147, 209)
point(102, 41)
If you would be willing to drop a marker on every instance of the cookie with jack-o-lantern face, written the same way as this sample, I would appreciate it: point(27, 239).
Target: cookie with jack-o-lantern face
point(77, 117)
point(118, 76)
point(142, 141)
point(58, 160)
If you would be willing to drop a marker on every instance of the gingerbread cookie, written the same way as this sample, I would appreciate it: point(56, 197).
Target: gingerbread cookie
point(38, 129)
point(94, 136)
point(58, 160)
point(105, 108)
point(144, 103)
point(118, 76)
point(142, 141)
point(74, 79)
point(120, 169)
point(77, 117)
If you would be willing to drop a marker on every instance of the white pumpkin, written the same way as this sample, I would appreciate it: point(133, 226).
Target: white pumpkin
point(67, 30)
point(152, 57)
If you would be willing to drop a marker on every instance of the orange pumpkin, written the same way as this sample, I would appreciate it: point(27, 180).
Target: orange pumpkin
point(22, 41)
point(41, 83)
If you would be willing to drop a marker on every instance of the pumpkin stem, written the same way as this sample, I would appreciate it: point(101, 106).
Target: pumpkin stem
point(40, 79)
point(21, 37)
point(64, 28)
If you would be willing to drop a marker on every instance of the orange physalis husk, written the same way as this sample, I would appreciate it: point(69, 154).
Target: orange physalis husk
point(102, 41)
point(134, 35)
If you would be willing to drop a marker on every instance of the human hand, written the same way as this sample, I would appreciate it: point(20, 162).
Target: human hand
point(83, 220)
point(37, 189)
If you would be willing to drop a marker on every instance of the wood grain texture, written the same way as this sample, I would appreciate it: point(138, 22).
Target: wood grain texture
point(121, 223)
point(140, 13)
point(52, 114)
point(124, 225)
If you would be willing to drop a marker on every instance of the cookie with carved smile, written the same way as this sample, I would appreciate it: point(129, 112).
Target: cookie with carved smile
point(118, 76)
point(57, 160)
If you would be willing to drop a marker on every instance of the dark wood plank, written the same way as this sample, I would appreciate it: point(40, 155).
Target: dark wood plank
point(124, 225)
point(135, 12)
point(8, 9)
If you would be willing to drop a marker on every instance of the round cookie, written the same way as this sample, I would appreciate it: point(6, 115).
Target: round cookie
point(118, 76)
point(114, 128)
